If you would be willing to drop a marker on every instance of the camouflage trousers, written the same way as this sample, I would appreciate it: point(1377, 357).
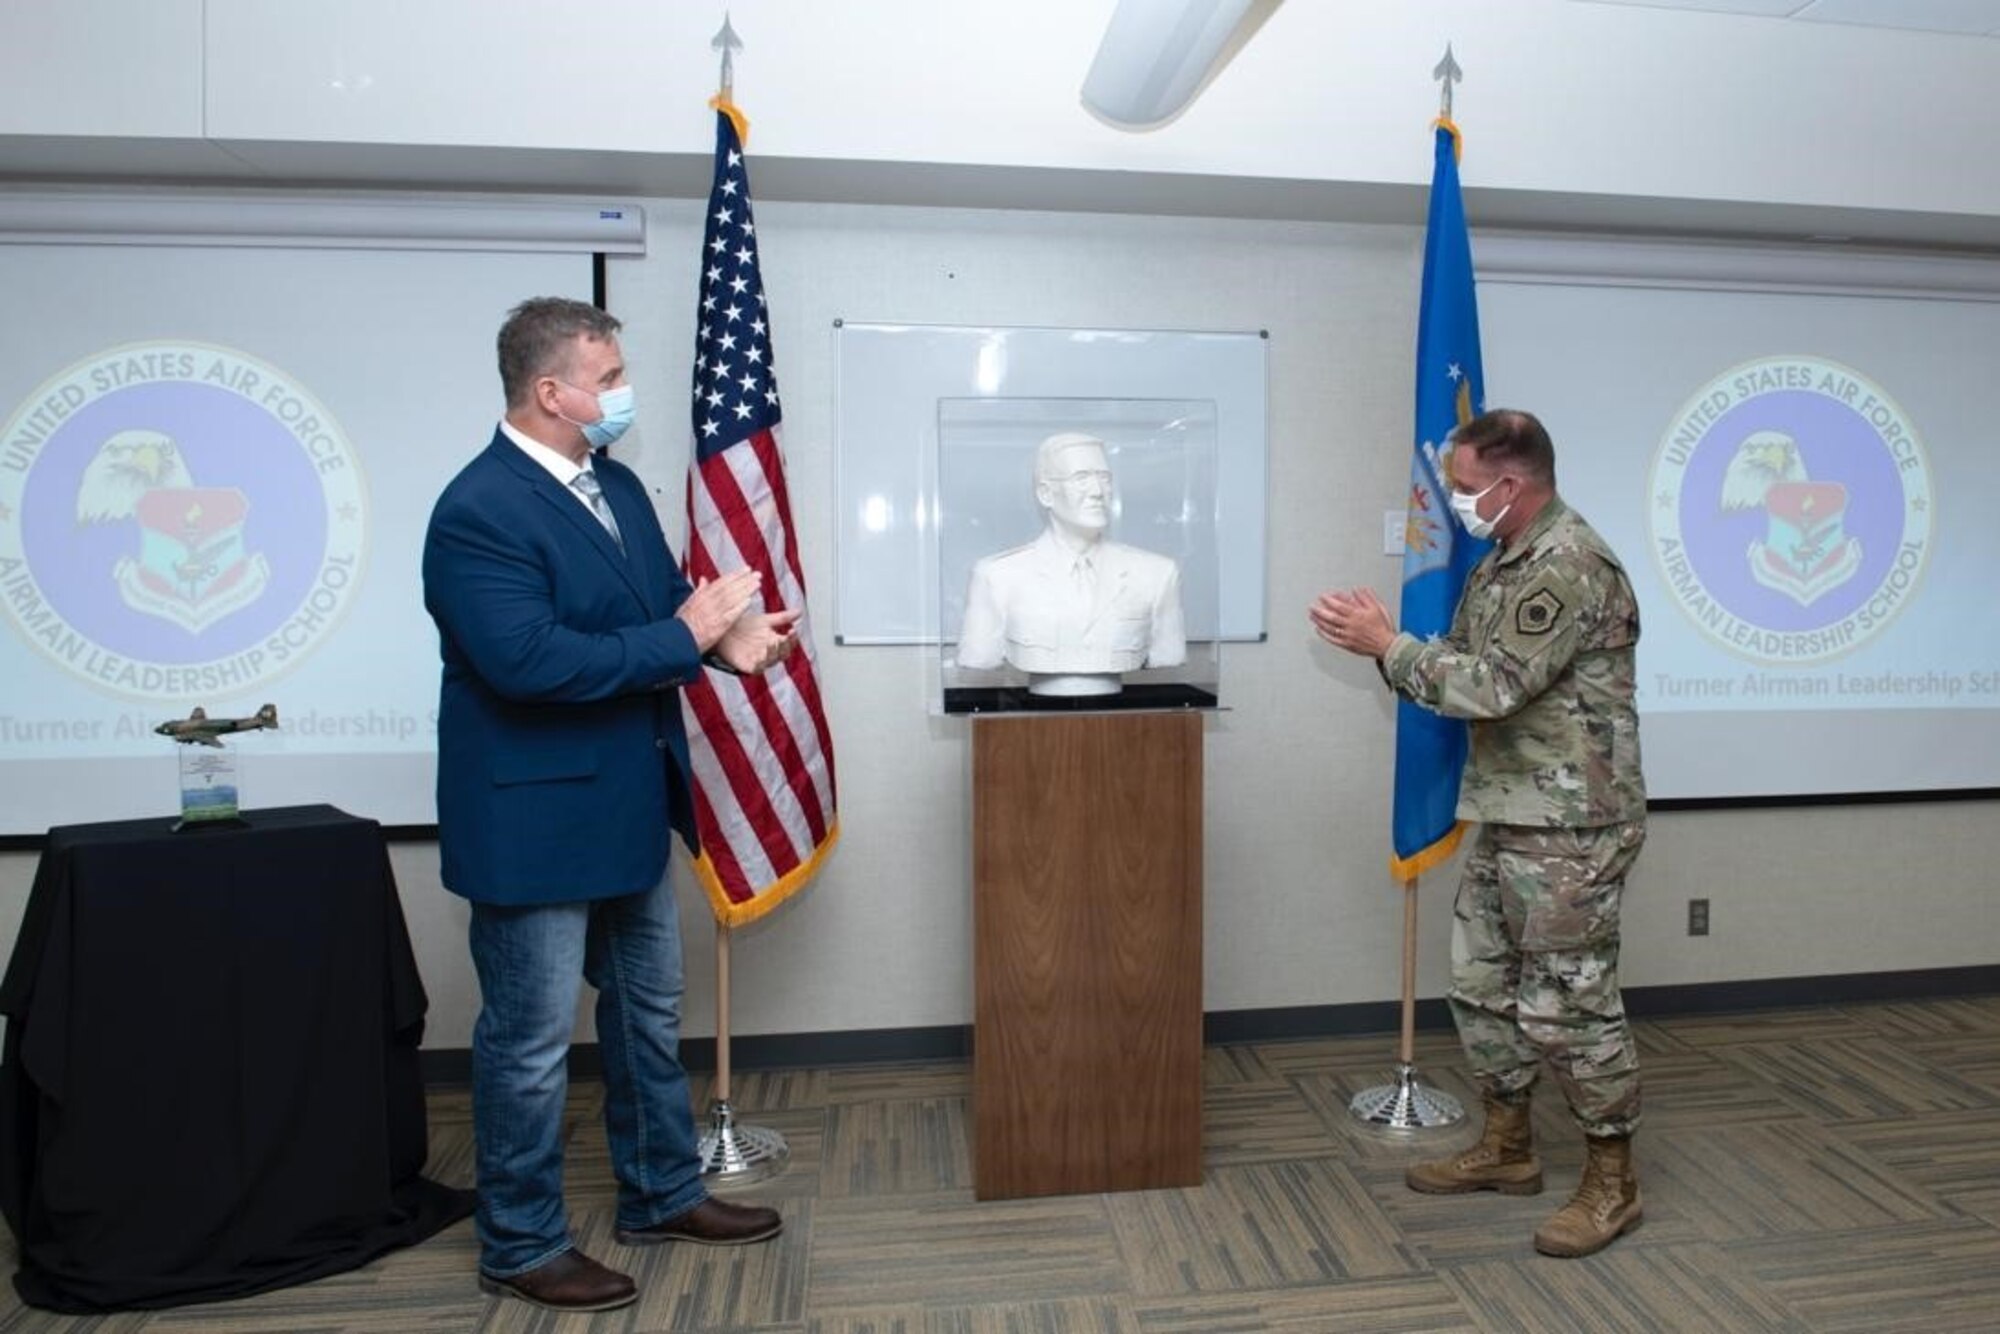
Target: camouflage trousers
point(1534, 967)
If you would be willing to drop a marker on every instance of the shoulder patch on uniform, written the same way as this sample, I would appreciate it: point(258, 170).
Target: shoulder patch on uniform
point(1538, 613)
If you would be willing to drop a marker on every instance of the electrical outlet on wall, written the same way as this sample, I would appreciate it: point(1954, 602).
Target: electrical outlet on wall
point(1697, 917)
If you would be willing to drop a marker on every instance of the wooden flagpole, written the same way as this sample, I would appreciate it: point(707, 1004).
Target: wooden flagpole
point(1407, 1104)
point(728, 1151)
point(721, 1090)
point(1406, 1050)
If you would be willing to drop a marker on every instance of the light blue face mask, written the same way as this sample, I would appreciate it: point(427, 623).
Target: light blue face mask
point(616, 407)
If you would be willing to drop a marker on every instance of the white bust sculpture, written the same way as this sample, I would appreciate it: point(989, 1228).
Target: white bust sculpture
point(1071, 609)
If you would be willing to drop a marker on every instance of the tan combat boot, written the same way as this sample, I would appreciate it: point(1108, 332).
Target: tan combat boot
point(1604, 1208)
point(1502, 1160)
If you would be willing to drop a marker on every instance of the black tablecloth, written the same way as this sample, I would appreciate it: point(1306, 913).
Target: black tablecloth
point(210, 1084)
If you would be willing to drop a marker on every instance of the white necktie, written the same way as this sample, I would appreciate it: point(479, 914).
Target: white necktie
point(587, 486)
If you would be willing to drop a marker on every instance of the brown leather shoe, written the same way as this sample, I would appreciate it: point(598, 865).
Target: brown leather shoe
point(570, 1282)
point(712, 1223)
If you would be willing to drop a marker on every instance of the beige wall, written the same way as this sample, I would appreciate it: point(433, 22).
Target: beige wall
point(1300, 910)
point(1599, 113)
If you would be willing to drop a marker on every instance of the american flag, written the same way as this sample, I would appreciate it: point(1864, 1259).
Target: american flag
point(762, 754)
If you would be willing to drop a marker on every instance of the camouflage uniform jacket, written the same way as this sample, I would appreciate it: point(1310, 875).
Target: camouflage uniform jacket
point(1541, 658)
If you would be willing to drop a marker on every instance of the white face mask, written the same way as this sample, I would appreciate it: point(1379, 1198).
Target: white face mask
point(1466, 507)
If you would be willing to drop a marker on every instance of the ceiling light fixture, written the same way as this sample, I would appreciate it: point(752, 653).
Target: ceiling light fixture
point(1154, 56)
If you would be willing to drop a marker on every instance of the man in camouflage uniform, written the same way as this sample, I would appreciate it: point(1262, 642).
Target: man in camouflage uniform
point(1540, 658)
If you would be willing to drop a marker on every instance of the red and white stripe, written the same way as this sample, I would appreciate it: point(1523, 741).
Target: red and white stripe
point(765, 799)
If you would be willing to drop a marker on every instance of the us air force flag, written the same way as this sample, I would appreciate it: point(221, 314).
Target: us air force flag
point(1437, 553)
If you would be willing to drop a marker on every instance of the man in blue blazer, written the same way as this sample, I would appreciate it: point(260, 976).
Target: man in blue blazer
point(566, 630)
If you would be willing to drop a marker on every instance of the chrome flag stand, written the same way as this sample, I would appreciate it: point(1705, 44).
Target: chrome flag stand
point(730, 1152)
point(1407, 1104)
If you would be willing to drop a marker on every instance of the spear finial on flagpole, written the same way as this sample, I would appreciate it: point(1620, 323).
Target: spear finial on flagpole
point(726, 41)
point(1446, 73)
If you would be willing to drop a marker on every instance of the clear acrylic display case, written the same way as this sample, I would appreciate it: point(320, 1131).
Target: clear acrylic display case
point(1114, 632)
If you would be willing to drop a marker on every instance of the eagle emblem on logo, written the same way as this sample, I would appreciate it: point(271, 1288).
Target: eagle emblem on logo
point(191, 566)
point(1804, 552)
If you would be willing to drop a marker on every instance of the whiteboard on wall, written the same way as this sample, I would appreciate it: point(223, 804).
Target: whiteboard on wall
point(889, 380)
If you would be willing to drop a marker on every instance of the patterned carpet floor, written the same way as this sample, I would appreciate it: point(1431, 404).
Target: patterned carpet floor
point(1825, 1169)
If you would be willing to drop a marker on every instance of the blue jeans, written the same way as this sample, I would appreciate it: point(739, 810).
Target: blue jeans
point(529, 961)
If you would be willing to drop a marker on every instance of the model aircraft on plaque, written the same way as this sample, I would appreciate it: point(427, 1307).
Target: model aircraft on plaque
point(208, 768)
point(198, 729)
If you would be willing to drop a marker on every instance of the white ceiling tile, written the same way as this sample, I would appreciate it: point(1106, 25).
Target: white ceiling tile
point(1765, 8)
point(1974, 17)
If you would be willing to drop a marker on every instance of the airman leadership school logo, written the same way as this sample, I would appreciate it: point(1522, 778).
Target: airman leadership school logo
point(177, 520)
point(1790, 509)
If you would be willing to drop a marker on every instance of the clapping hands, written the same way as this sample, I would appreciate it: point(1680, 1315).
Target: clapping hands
point(1353, 619)
point(759, 640)
point(719, 615)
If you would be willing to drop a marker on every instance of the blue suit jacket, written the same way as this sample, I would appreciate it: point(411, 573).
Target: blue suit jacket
point(562, 759)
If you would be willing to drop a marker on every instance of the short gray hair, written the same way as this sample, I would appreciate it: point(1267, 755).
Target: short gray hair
point(1508, 438)
point(1047, 453)
point(537, 340)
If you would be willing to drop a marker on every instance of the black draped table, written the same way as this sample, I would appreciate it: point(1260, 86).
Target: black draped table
point(210, 1083)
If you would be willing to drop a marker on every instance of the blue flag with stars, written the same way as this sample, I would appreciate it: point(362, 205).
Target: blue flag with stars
point(1437, 553)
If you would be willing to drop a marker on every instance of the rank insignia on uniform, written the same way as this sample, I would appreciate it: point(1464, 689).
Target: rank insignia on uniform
point(1538, 612)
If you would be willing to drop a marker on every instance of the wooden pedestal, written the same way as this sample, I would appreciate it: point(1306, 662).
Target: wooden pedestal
point(1086, 1071)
